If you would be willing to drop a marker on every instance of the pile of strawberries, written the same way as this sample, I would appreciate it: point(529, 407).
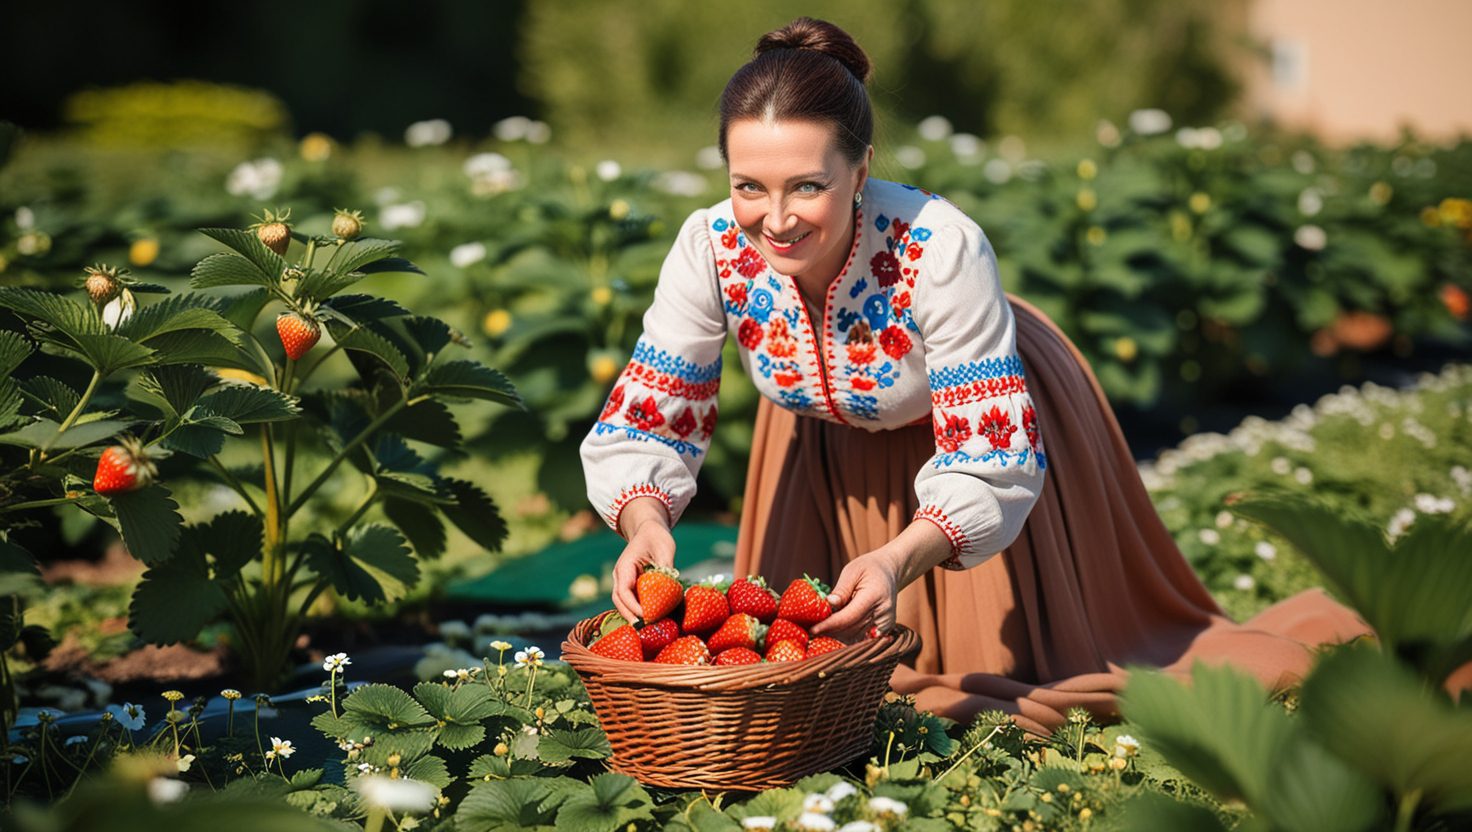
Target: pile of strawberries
point(700, 625)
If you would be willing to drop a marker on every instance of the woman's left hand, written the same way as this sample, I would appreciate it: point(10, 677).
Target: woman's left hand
point(864, 597)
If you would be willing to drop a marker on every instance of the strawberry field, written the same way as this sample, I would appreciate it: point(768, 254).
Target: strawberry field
point(301, 389)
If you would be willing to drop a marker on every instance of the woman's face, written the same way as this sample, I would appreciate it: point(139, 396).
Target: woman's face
point(793, 194)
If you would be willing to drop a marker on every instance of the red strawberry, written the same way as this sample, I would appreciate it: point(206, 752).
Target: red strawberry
point(737, 655)
point(785, 651)
point(123, 468)
point(685, 650)
point(298, 332)
point(784, 630)
point(823, 644)
point(740, 630)
point(622, 644)
point(659, 591)
point(752, 596)
point(705, 609)
point(657, 636)
point(805, 601)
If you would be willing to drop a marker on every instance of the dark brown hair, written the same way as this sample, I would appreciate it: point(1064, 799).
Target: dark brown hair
point(808, 70)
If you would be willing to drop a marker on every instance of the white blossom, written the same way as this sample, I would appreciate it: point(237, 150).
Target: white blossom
point(430, 133)
point(336, 661)
point(1265, 550)
point(128, 715)
point(1149, 122)
point(858, 826)
point(1431, 504)
point(280, 748)
point(25, 218)
point(162, 790)
point(403, 215)
point(258, 179)
point(819, 803)
point(1223, 519)
point(935, 128)
point(1399, 522)
point(1303, 476)
point(461, 257)
point(1126, 746)
point(997, 171)
point(815, 822)
point(1310, 238)
point(967, 147)
point(537, 132)
point(530, 657)
point(887, 806)
point(1210, 537)
point(1281, 466)
point(608, 170)
point(512, 128)
point(1310, 202)
point(759, 822)
point(396, 794)
point(1243, 582)
point(119, 310)
point(840, 790)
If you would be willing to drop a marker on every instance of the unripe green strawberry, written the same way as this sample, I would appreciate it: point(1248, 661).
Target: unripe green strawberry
point(622, 644)
point(298, 333)
point(122, 468)
point(273, 232)
point(347, 225)
point(102, 284)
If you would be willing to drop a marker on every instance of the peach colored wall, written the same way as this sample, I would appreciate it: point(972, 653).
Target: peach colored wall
point(1367, 67)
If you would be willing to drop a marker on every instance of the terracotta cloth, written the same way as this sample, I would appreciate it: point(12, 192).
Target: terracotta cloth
point(1094, 582)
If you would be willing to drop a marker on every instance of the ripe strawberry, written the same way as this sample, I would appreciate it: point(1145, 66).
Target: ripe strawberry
point(299, 333)
point(784, 630)
point(122, 468)
point(737, 655)
point(752, 596)
point(805, 601)
point(740, 630)
point(657, 636)
point(685, 650)
point(273, 232)
point(347, 224)
point(823, 644)
point(659, 591)
point(622, 644)
point(102, 283)
point(786, 651)
point(705, 609)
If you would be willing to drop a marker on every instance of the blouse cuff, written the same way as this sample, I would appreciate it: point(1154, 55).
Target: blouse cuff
point(616, 508)
point(960, 544)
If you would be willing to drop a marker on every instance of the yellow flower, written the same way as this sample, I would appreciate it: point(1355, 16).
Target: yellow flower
point(619, 209)
point(1087, 169)
point(230, 693)
point(1085, 813)
point(500, 646)
point(1096, 235)
point(496, 322)
point(143, 252)
point(1455, 211)
point(1200, 202)
point(315, 147)
point(173, 695)
point(603, 368)
point(1430, 217)
point(1180, 227)
point(1126, 349)
point(602, 295)
point(1380, 193)
point(1087, 200)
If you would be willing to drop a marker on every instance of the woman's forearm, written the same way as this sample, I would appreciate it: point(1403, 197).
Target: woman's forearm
point(921, 547)
point(639, 511)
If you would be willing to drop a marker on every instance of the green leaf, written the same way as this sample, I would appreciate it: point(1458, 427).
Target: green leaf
point(506, 806)
point(783, 804)
point(59, 398)
point(234, 538)
point(11, 402)
point(176, 599)
point(42, 434)
point(15, 560)
point(249, 405)
point(1154, 810)
point(419, 523)
point(150, 522)
point(356, 254)
point(611, 802)
point(373, 564)
point(178, 313)
point(195, 440)
point(110, 353)
point(214, 422)
point(14, 349)
point(465, 379)
point(429, 769)
point(474, 513)
point(430, 422)
point(365, 308)
point(173, 389)
point(559, 746)
point(267, 263)
point(70, 317)
point(243, 309)
point(198, 346)
point(391, 265)
point(370, 343)
point(225, 269)
point(385, 706)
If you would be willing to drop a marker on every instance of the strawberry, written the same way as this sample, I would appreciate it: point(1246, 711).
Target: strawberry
point(657, 635)
point(273, 232)
point(705, 609)
point(784, 630)
point(622, 644)
point(740, 630)
point(737, 655)
point(752, 596)
point(785, 651)
point(123, 468)
point(685, 650)
point(347, 224)
point(299, 333)
point(102, 283)
point(823, 644)
point(659, 591)
point(805, 601)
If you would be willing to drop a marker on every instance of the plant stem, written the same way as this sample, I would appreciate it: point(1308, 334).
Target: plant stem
point(351, 446)
point(235, 484)
point(82, 403)
point(1406, 811)
point(271, 552)
point(362, 508)
point(973, 750)
point(52, 501)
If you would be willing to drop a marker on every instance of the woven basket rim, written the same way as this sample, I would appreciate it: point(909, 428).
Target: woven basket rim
point(893, 646)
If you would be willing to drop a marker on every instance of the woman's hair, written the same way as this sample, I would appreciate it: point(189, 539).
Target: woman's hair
point(808, 70)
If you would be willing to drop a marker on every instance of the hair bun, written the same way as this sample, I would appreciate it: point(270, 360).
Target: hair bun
point(819, 36)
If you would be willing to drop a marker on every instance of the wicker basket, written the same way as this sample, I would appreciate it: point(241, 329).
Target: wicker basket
point(746, 727)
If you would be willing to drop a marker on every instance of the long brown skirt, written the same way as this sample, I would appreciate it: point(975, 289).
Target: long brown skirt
point(1093, 584)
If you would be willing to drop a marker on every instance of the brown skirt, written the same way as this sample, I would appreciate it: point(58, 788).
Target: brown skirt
point(1093, 584)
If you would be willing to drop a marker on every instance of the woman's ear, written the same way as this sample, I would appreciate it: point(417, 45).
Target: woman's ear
point(863, 170)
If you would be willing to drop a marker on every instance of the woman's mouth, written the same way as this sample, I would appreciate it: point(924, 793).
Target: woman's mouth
point(786, 244)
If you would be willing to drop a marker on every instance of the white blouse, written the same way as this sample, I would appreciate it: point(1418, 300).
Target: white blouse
point(915, 327)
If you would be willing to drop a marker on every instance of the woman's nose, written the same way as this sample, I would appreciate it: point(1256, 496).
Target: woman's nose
point(779, 219)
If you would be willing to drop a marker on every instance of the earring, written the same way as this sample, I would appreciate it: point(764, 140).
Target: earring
point(858, 200)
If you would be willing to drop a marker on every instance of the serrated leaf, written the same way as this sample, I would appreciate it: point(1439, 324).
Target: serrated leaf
point(557, 746)
point(1154, 810)
point(197, 441)
point(59, 398)
point(419, 523)
point(150, 522)
point(226, 269)
point(110, 353)
point(386, 707)
point(355, 254)
point(365, 308)
point(337, 727)
point(461, 737)
point(42, 434)
point(430, 422)
point(365, 341)
point(14, 349)
point(234, 538)
point(268, 263)
point(391, 265)
point(219, 423)
point(176, 599)
point(243, 309)
point(506, 806)
point(198, 346)
point(474, 513)
point(173, 389)
point(409, 744)
point(783, 804)
point(373, 564)
point(464, 379)
point(249, 405)
point(610, 801)
point(69, 317)
point(429, 769)
point(178, 313)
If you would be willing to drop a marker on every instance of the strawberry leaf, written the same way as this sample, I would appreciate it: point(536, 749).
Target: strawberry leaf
point(608, 801)
point(14, 348)
point(474, 513)
point(225, 269)
point(250, 405)
point(430, 769)
point(385, 707)
point(58, 398)
point(558, 746)
point(366, 341)
point(372, 564)
point(42, 434)
point(507, 806)
point(176, 599)
point(466, 379)
point(353, 256)
point(268, 264)
point(150, 522)
point(419, 523)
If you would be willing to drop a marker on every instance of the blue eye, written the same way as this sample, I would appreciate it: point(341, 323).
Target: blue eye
point(810, 187)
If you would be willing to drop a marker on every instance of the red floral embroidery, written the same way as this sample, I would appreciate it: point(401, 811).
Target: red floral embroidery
point(644, 415)
point(615, 403)
point(900, 302)
point(861, 352)
point(737, 293)
point(683, 424)
point(728, 239)
point(997, 427)
point(749, 334)
point(913, 252)
point(861, 383)
point(886, 268)
point(708, 423)
point(750, 263)
point(780, 343)
point(951, 435)
point(895, 342)
point(898, 228)
point(786, 379)
point(1030, 424)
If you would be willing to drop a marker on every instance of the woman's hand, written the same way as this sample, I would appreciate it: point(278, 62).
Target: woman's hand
point(646, 525)
point(864, 597)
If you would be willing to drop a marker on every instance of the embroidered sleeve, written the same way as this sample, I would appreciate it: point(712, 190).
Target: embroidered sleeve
point(655, 428)
point(988, 466)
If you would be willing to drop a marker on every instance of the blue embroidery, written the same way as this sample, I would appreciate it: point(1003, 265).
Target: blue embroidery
point(681, 446)
point(664, 362)
point(987, 368)
point(760, 306)
point(794, 399)
point(721, 224)
point(921, 234)
point(847, 319)
point(774, 283)
point(862, 406)
point(1005, 457)
point(876, 309)
point(791, 316)
point(881, 222)
point(858, 288)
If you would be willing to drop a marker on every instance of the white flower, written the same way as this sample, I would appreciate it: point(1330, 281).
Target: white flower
point(858, 826)
point(1208, 138)
point(455, 630)
point(840, 790)
point(335, 662)
point(997, 171)
point(909, 156)
point(608, 170)
point(500, 646)
point(1310, 202)
point(464, 256)
point(163, 790)
point(537, 132)
point(530, 657)
point(1126, 746)
point(935, 128)
point(709, 158)
point(280, 748)
point(25, 218)
point(486, 164)
point(1431, 504)
point(1210, 537)
point(1303, 476)
point(259, 179)
point(1463, 478)
point(1281, 466)
point(183, 763)
point(680, 183)
point(1150, 122)
point(435, 131)
point(967, 147)
point(403, 215)
point(759, 822)
point(463, 674)
point(820, 803)
point(887, 806)
point(396, 795)
point(128, 715)
point(451, 674)
point(365, 769)
point(1265, 550)
point(1303, 162)
point(119, 310)
point(1223, 519)
point(1243, 582)
point(512, 129)
point(1401, 521)
point(1310, 237)
point(815, 822)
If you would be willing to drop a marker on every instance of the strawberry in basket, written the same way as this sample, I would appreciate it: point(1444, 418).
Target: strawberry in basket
point(685, 650)
point(659, 591)
point(752, 596)
point(657, 636)
point(805, 601)
point(737, 655)
point(622, 643)
point(705, 610)
point(784, 630)
point(740, 630)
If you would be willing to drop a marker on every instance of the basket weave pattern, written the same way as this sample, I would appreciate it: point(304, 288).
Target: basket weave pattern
point(747, 727)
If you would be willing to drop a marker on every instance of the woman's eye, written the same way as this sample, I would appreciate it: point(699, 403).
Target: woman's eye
point(746, 187)
point(809, 188)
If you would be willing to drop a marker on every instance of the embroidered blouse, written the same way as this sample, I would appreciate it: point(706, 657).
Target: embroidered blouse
point(915, 327)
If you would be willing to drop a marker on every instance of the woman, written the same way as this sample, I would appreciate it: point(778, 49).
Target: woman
point(902, 425)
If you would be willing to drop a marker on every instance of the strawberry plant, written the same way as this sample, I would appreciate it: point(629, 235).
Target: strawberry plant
point(183, 389)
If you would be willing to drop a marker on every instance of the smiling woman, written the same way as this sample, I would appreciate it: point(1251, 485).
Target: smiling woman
point(899, 444)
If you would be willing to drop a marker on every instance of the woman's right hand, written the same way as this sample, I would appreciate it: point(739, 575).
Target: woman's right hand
point(645, 523)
